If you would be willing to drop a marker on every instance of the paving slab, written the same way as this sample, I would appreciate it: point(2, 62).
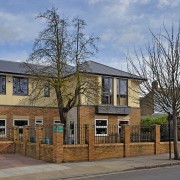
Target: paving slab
point(42, 170)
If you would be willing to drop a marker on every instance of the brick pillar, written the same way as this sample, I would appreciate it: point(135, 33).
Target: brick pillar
point(127, 131)
point(157, 139)
point(15, 133)
point(39, 139)
point(58, 143)
point(91, 138)
point(25, 138)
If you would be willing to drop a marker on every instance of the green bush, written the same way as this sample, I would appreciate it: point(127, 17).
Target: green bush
point(149, 120)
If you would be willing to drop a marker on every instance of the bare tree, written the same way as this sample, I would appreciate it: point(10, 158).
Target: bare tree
point(62, 43)
point(159, 64)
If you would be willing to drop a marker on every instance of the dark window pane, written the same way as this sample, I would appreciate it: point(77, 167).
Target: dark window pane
point(20, 86)
point(123, 87)
point(2, 122)
point(101, 130)
point(101, 123)
point(107, 90)
point(20, 122)
point(46, 90)
point(2, 84)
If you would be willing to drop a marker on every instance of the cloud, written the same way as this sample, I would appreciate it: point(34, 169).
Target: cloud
point(165, 3)
point(18, 28)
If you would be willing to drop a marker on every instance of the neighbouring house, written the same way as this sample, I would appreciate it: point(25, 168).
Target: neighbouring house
point(118, 103)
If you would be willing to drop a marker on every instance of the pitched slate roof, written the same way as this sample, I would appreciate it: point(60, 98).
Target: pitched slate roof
point(91, 67)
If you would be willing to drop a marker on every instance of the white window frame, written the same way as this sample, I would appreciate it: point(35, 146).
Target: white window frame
point(3, 127)
point(38, 123)
point(20, 127)
point(101, 127)
point(55, 121)
point(120, 126)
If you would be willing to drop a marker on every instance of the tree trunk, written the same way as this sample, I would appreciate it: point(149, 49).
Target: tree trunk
point(175, 136)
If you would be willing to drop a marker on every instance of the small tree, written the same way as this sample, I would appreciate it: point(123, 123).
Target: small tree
point(58, 45)
point(160, 66)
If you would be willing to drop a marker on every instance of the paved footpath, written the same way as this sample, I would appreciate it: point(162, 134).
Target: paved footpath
point(21, 167)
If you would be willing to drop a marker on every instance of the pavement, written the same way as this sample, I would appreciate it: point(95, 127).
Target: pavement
point(17, 167)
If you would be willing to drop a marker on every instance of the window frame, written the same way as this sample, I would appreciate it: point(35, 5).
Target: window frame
point(101, 127)
point(47, 85)
point(108, 94)
point(54, 122)
point(120, 126)
point(1, 92)
point(3, 127)
point(38, 122)
point(20, 127)
point(118, 89)
point(21, 94)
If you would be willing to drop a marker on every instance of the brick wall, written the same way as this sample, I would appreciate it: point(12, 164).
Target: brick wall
point(46, 152)
point(75, 153)
point(108, 151)
point(29, 112)
point(31, 150)
point(137, 149)
point(87, 116)
point(7, 147)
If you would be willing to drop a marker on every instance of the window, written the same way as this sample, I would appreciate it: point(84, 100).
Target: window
point(107, 90)
point(57, 121)
point(46, 90)
point(20, 86)
point(120, 123)
point(38, 122)
point(20, 123)
point(2, 84)
point(122, 92)
point(2, 127)
point(101, 127)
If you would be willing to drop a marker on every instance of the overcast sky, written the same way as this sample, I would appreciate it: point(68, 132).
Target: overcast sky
point(121, 24)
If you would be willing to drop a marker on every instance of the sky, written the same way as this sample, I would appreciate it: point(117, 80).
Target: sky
point(122, 25)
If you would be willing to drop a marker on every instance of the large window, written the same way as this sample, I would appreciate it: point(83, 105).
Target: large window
point(101, 127)
point(107, 90)
point(20, 86)
point(122, 92)
point(2, 127)
point(2, 84)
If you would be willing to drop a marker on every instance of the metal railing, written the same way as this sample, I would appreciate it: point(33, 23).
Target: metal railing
point(109, 134)
point(6, 134)
point(75, 134)
point(48, 135)
point(142, 133)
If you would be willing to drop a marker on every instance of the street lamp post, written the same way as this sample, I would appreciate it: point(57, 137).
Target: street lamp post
point(169, 129)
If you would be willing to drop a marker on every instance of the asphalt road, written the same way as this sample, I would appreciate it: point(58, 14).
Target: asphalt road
point(165, 173)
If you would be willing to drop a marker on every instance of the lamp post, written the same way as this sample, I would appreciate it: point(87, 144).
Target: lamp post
point(169, 110)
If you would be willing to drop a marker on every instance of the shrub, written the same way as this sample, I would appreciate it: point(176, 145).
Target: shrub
point(149, 120)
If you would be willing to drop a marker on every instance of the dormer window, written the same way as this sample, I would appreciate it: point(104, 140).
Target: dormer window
point(2, 84)
point(107, 90)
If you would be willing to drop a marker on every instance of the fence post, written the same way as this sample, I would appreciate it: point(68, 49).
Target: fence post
point(58, 143)
point(15, 133)
point(39, 139)
point(25, 138)
point(91, 134)
point(127, 133)
point(157, 139)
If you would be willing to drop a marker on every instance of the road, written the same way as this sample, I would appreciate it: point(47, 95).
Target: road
point(165, 173)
